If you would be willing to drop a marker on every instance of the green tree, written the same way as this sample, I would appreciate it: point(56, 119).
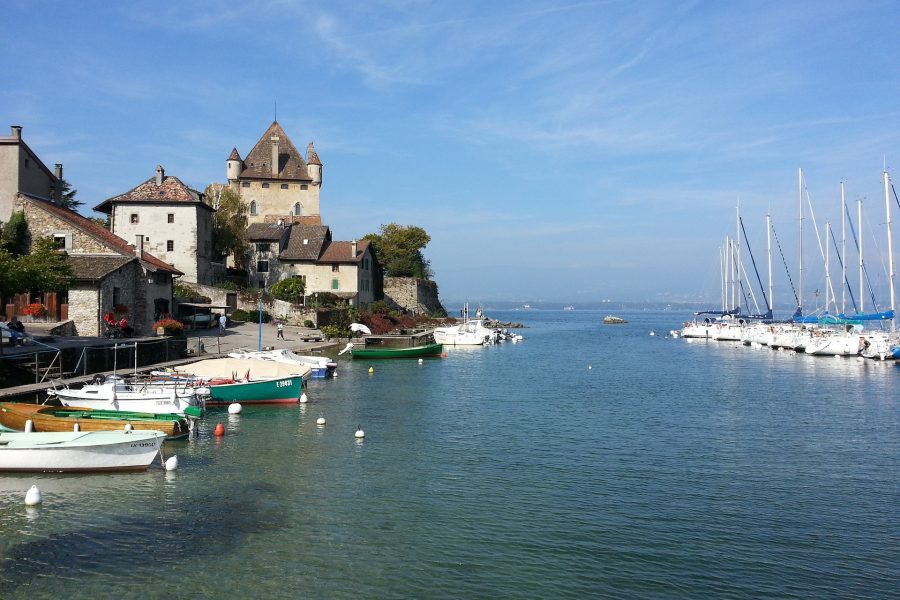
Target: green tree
point(289, 290)
point(399, 250)
point(229, 222)
point(14, 238)
point(67, 196)
point(43, 269)
point(9, 275)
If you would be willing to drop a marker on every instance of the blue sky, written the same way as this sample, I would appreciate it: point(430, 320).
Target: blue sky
point(570, 151)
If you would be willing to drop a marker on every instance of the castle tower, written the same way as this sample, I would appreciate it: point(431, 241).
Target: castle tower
point(313, 165)
point(234, 165)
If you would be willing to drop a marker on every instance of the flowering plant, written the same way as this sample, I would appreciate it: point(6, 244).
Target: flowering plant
point(171, 326)
point(35, 310)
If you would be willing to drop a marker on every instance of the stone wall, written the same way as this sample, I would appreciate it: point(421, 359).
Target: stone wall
point(418, 296)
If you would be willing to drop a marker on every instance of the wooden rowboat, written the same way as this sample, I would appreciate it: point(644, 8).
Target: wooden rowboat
point(14, 415)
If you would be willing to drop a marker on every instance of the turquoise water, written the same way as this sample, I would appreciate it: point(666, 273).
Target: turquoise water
point(587, 461)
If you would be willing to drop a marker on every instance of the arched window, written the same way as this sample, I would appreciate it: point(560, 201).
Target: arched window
point(253, 208)
point(298, 210)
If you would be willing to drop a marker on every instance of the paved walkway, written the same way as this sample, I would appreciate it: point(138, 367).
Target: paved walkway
point(247, 336)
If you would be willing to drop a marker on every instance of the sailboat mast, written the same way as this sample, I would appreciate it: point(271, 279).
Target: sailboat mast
point(737, 253)
point(843, 252)
point(859, 235)
point(722, 297)
point(890, 248)
point(800, 280)
point(827, 271)
point(771, 306)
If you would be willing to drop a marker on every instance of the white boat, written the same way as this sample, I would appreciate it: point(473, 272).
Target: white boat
point(469, 333)
point(79, 450)
point(115, 393)
point(321, 367)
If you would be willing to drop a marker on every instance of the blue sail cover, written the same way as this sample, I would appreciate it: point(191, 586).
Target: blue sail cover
point(877, 316)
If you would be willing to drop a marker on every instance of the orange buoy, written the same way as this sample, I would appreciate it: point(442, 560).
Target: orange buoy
point(220, 430)
point(444, 355)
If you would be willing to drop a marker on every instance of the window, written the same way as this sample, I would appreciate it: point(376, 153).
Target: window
point(298, 210)
point(134, 218)
point(365, 264)
point(26, 163)
point(262, 266)
point(117, 296)
point(160, 278)
point(304, 186)
point(284, 186)
point(59, 242)
point(245, 184)
point(335, 268)
point(335, 284)
point(170, 245)
point(170, 217)
point(263, 247)
point(253, 208)
point(265, 185)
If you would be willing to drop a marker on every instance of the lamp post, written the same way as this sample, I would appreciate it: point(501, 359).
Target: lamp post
point(259, 312)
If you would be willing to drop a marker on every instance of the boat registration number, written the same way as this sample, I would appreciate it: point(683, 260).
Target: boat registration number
point(281, 384)
point(143, 445)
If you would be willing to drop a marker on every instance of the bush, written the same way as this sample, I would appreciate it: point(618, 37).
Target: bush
point(289, 290)
point(329, 300)
point(239, 315)
point(309, 324)
point(379, 307)
point(333, 331)
point(172, 327)
point(227, 284)
point(253, 316)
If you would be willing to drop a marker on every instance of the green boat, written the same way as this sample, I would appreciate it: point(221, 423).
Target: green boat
point(280, 390)
point(389, 352)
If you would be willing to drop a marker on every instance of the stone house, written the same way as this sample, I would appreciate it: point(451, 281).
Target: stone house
point(347, 269)
point(108, 271)
point(275, 181)
point(176, 223)
point(22, 171)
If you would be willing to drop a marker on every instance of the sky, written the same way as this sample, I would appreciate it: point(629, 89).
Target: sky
point(553, 150)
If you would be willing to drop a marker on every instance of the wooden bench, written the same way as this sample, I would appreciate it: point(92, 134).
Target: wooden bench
point(312, 338)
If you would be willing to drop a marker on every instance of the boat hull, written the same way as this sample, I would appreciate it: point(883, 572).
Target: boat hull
point(414, 352)
point(14, 415)
point(79, 452)
point(281, 390)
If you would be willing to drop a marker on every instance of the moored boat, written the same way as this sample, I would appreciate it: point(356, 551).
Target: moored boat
point(612, 320)
point(415, 345)
point(15, 415)
point(79, 450)
point(115, 393)
point(321, 367)
point(280, 390)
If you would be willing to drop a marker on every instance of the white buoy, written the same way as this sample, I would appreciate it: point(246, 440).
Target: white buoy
point(320, 421)
point(33, 496)
point(590, 367)
point(303, 398)
point(172, 463)
point(860, 358)
point(129, 427)
point(360, 434)
point(234, 408)
point(29, 426)
point(420, 361)
point(76, 427)
point(837, 355)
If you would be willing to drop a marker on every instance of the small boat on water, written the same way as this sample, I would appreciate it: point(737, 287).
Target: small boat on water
point(116, 393)
point(611, 320)
point(248, 381)
point(416, 345)
point(321, 367)
point(15, 415)
point(79, 450)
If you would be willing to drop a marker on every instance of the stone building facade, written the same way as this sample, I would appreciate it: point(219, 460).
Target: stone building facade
point(108, 272)
point(419, 296)
point(175, 222)
point(275, 181)
point(22, 171)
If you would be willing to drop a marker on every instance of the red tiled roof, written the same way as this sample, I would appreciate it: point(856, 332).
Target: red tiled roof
point(342, 252)
point(100, 233)
point(234, 155)
point(171, 190)
point(258, 164)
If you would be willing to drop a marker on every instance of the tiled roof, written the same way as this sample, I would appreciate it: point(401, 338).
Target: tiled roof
point(97, 266)
point(342, 252)
point(315, 235)
point(264, 231)
point(171, 190)
point(100, 233)
point(311, 157)
point(234, 155)
point(258, 164)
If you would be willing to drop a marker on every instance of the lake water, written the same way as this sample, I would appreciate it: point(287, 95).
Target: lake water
point(587, 461)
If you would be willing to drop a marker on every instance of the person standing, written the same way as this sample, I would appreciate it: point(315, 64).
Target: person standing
point(280, 331)
point(222, 322)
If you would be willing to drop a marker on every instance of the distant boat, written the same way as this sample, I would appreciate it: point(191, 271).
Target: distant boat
point(570, 307)
point(79, 450)
point(611, 320)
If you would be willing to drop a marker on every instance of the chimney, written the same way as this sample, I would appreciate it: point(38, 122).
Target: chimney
point(353, 249)
point(160, 174)
point(58, 171)
point(274, 156)
point(139, 246)
point(16, 131)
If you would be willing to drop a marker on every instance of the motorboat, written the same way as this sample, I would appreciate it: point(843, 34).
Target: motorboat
point(79, 450)
point(321, 367)
point(116, 393)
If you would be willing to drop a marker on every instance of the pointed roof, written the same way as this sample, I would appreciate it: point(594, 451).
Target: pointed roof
point(101, 234)
point(172, 190)
point(258, 164)
point(234, 155)
point(311, 156)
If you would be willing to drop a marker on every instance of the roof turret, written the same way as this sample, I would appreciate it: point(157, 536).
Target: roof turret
point(311, 157)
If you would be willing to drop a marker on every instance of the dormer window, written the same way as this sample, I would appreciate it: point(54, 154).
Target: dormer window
point(253, 208)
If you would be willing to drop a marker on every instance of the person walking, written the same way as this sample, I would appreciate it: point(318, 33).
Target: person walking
point(280, 328)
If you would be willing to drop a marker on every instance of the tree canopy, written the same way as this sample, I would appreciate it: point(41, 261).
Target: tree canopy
point(229, 222)
point(13, 239)
point(289, 290)
point(43, 269)
point(399, 250)
point(67, 196)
